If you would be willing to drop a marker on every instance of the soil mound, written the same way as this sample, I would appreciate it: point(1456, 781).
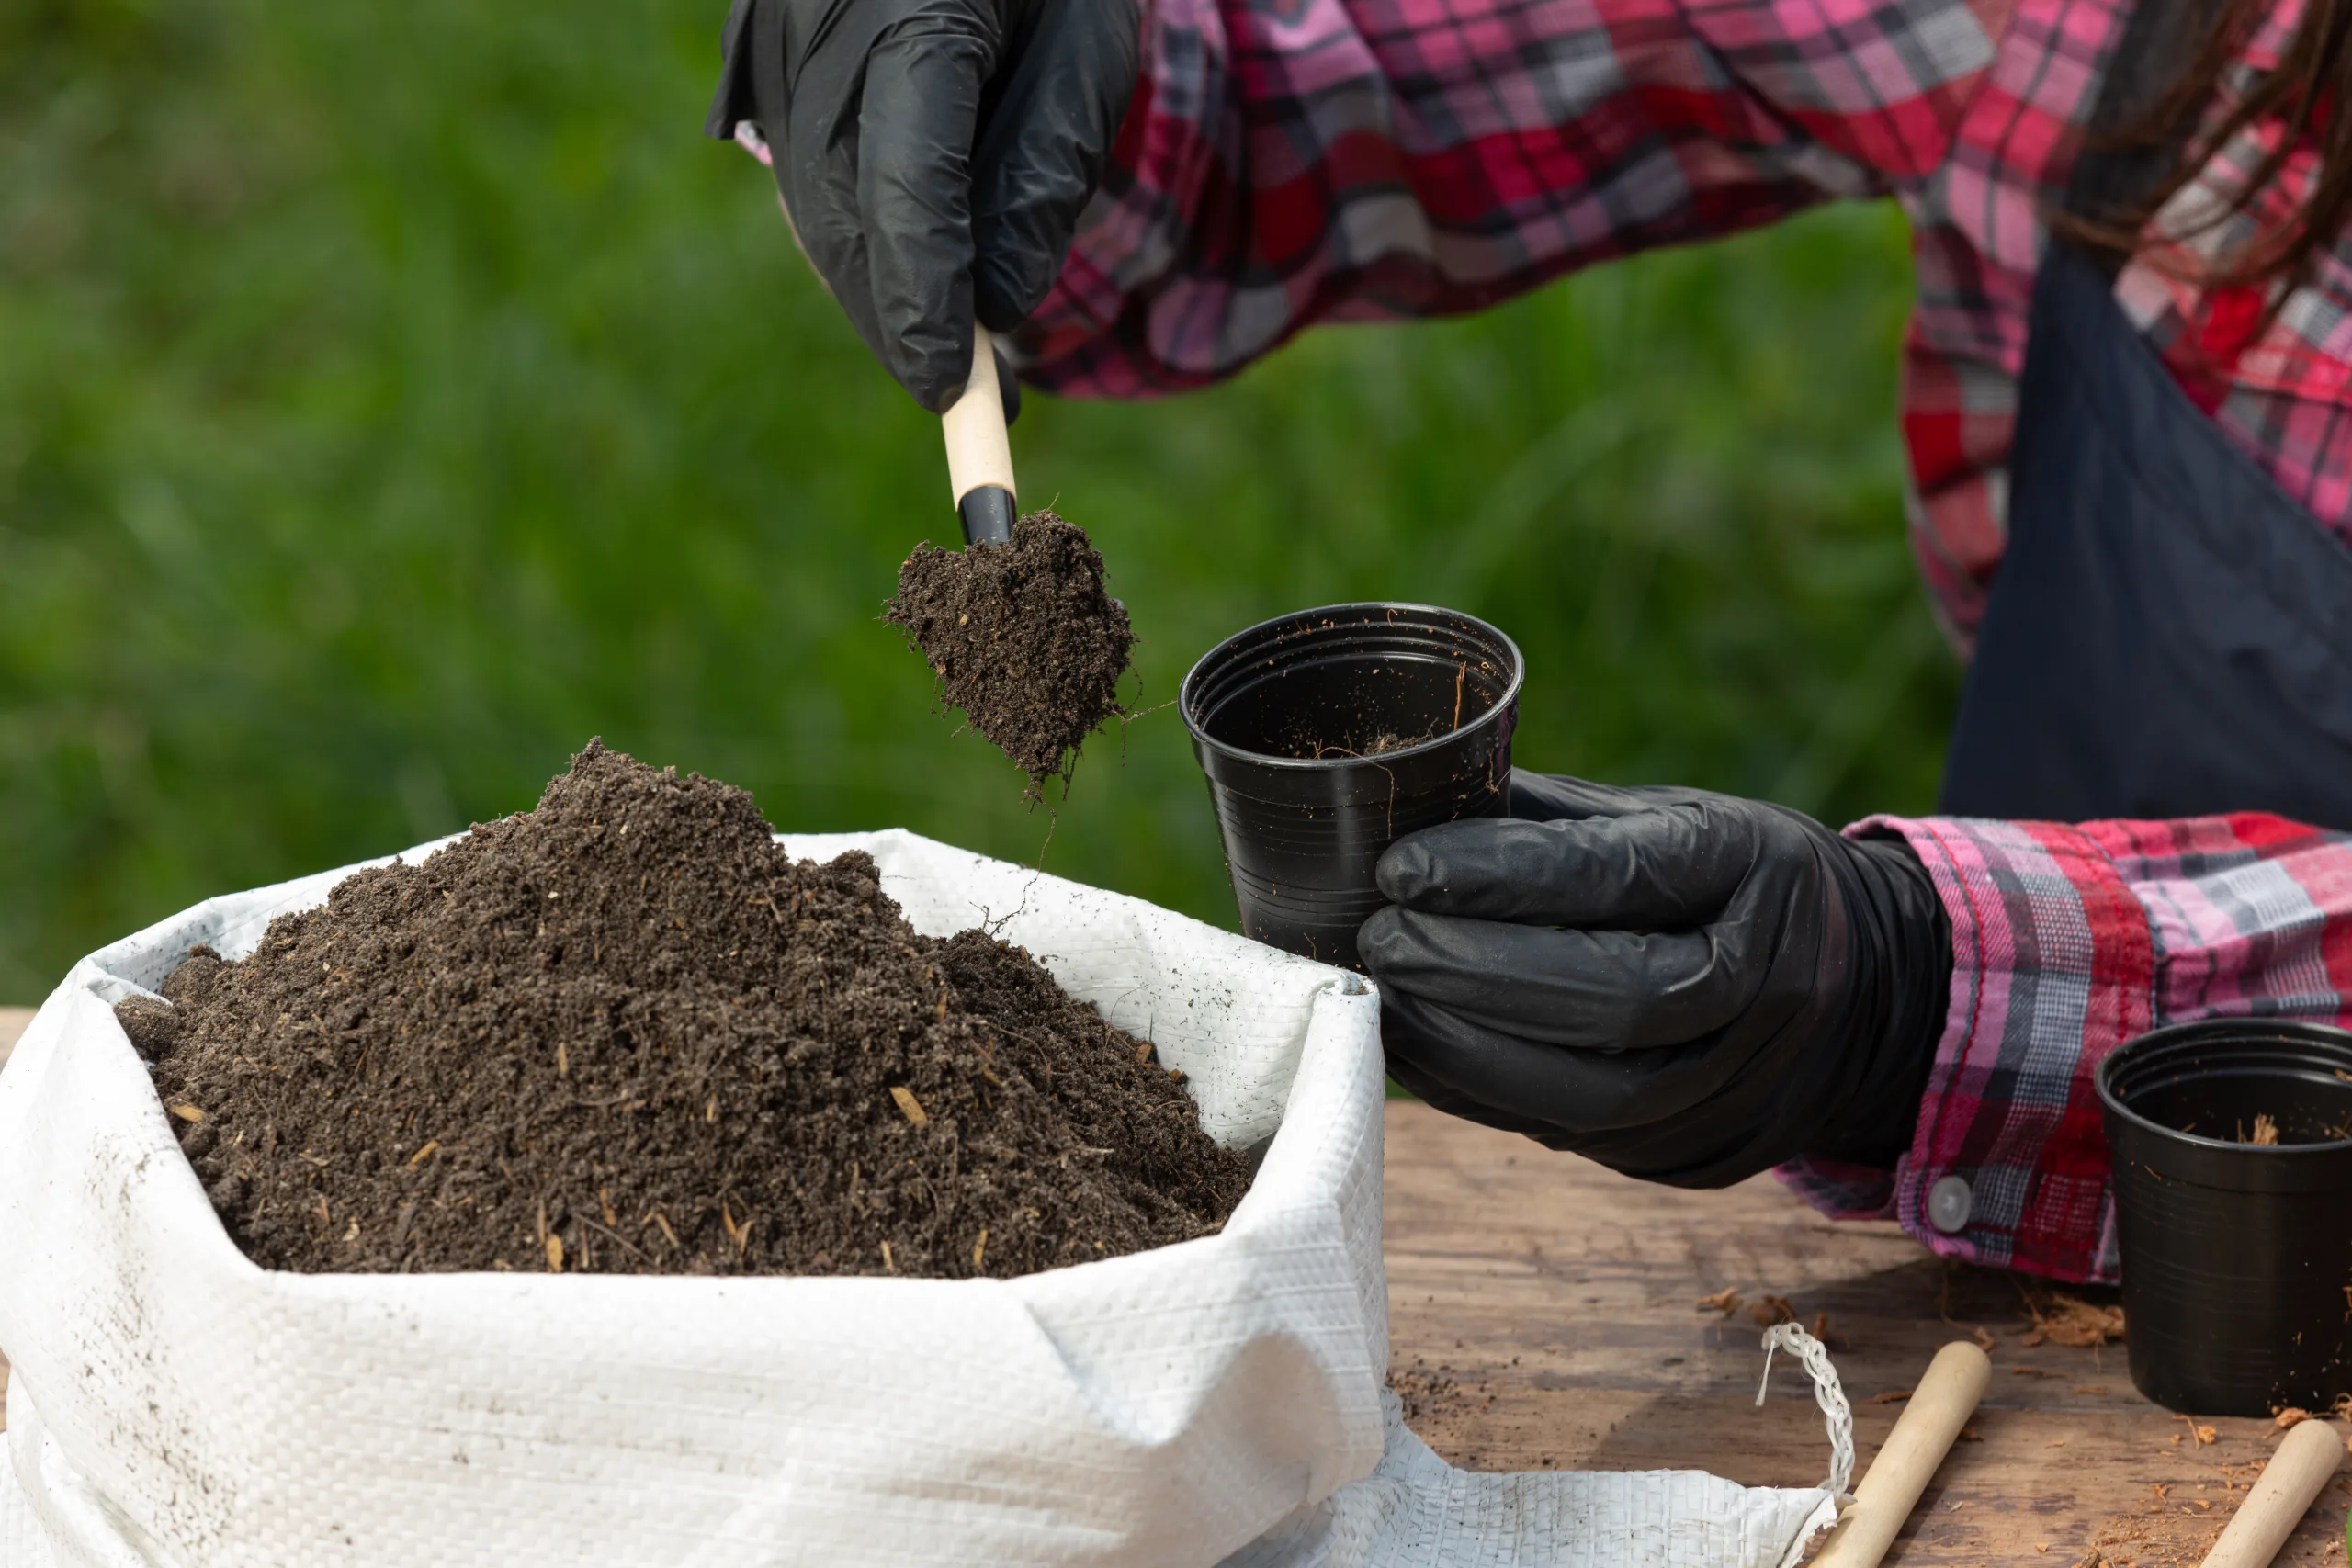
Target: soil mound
point(624, 1033)
point(1023, 636)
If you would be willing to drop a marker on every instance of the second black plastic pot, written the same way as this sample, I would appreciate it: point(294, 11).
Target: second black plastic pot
point(1327, 735)
point(2237, 1256)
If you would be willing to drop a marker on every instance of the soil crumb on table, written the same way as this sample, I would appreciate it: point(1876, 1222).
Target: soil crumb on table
point(625, 1032)
point(2058, 1318)
point(1435, 1394)
point(1024, 637)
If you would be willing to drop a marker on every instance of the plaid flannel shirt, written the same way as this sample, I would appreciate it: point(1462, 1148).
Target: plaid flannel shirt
point(2066, 942)
point(1288, 161)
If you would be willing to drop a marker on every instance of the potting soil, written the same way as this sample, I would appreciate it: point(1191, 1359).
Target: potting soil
point(1024, 637)
point(624, 1033)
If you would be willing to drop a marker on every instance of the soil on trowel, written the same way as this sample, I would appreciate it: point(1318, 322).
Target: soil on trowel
point(1024, 637)
point(625, 1032)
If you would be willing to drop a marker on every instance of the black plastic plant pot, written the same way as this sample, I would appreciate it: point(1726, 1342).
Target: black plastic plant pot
point(1327, 735)
point(2237, 1255)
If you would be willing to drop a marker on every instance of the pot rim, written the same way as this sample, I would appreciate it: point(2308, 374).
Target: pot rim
point(2218, 1028)
point(1184, 691)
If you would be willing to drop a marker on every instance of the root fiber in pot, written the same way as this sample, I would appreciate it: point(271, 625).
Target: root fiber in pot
point(1023, 637)
point(625, 1032)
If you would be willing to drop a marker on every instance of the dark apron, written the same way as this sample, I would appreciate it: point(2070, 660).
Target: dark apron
point(2168, 634)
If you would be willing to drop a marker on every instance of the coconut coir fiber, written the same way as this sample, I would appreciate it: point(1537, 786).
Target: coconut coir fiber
point(1024, 637)
point(624, 1033)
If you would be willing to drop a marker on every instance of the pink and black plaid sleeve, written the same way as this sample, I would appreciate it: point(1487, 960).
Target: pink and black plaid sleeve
point(1294, 160)
point(1289, 162)
point(2067, 941)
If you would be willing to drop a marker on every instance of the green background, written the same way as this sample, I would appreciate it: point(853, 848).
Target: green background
point(392, 395)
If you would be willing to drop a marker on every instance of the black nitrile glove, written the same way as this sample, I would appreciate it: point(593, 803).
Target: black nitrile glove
point(933, 155)
point(1689, 987)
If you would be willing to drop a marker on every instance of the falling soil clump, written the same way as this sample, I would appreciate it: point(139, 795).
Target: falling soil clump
point(1024, 637)
point(625, 1032)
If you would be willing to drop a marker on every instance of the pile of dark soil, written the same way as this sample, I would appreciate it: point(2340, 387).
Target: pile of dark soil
point(625, 1032)
point(1023, 636)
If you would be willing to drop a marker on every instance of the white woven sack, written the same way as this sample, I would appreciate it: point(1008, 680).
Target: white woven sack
point(173, 1404)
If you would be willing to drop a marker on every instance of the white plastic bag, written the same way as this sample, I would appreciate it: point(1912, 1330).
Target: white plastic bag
point(172, 1403)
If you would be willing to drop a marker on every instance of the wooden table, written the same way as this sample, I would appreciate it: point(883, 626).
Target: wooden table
point(1544, 1314)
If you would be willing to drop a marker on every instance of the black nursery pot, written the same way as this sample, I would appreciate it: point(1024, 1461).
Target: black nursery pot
point(1327, 735)
point(2237, 1258)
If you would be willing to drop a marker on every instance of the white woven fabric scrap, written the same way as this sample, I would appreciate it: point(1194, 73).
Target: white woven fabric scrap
point(1417, 1511)
point(174, 1406)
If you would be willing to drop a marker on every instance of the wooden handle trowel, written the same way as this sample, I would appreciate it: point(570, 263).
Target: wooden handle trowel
point(1923, 1433)
point(979, 455)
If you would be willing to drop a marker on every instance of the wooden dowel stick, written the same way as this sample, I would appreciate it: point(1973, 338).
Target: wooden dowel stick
point(2275, 1505)
point(978, 452)
point(1938, 1409)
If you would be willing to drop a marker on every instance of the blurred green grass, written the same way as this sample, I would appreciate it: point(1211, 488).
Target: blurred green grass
point(392, 396)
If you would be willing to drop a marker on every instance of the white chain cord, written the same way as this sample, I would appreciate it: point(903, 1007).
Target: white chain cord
point(1828, 1392)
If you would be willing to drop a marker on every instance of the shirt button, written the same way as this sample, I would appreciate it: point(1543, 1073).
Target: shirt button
point(1949, 1202)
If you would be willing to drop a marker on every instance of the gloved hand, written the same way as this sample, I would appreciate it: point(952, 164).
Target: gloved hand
point(933, 155)
point(1688, 987)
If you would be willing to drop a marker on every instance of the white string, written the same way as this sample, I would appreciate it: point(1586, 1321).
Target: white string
point(1828, 1392)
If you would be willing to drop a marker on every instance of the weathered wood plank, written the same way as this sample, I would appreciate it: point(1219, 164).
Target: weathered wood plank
point(1544, 1314)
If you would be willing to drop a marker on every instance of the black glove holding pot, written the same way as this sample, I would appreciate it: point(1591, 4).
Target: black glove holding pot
point(1688, 987)
point(933, 155)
